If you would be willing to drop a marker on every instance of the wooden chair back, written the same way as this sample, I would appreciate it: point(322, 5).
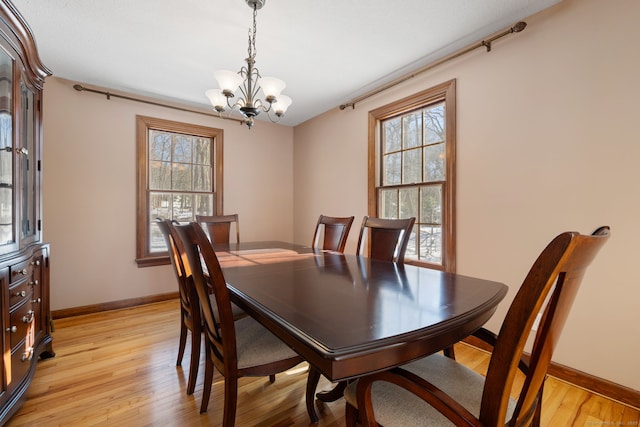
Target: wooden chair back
point(199, 250)
point(180, 265)
point(554, 278)
point(219, 227)
point(333, 231)
point(385, 239)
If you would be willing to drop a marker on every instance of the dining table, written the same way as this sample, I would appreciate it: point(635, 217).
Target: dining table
point(349, 315)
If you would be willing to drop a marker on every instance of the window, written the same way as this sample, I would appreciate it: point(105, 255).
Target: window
point(412, 171)
point(179, 177)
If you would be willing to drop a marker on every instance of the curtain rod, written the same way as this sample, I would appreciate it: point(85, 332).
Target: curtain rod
point(81, 88)
point(486, 43)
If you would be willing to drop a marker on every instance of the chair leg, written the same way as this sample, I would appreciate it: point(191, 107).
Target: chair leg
point(350, 416)
point(450, 352)
point(196, 340)
point(183, 340)
point(230, 401)
point(208, 382)
point(312, 382)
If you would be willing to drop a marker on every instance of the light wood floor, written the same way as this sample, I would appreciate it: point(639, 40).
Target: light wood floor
point(118, 369)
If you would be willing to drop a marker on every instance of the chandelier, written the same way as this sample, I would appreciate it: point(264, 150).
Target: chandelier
point(249, 83)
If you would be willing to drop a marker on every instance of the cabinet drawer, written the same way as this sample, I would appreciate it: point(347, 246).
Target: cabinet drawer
point(18, 293)
point(20, 271)
point(21, 324)
point(20, 364)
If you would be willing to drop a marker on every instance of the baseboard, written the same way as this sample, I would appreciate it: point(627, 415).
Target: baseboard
point(606, 388)
point(113, 305)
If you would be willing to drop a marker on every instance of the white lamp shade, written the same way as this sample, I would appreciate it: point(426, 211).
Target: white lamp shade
point(216, 97)
point(228, 80)
point(271, 86)
point(281, 105)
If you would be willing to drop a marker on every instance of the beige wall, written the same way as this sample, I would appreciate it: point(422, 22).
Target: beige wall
point(89, 172)
point(548, 141)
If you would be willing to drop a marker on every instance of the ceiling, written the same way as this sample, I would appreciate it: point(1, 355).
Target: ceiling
point(327, 51)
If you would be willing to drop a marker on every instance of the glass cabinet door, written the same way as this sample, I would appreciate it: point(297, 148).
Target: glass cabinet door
point(26, 155)
point(7, 211)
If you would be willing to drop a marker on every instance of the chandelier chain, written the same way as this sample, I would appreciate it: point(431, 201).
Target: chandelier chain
point(252, 35)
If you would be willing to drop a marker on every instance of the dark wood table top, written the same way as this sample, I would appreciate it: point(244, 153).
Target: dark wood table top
point(350, 315)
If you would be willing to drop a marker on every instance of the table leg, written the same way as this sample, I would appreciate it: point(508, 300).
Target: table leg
point(334, 394)
point(312, 382)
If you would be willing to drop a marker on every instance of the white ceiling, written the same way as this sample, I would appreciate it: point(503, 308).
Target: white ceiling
point(327, 51)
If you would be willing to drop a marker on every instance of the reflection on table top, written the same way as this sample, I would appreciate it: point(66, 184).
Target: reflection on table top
point(350, 315)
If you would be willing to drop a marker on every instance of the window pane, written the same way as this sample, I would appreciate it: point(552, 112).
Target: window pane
point(181, 177)
point(434, 157)
point(434, 126)
point(389, 203)
point(202, 178)
point(409, 202)
point(156, 239)
point(182, 148)
point(392, 173)
point(160, 175)
point(431, 205)
point(392, 135)
point(160, 145)
point(431, 243)
point(160, 205)
point(412, 166)
point(412, 250)
point(202, 151)
point(204, 204)
point(183, 208)
point(412, 128)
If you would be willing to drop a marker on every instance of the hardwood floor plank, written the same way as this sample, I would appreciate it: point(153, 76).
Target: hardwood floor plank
point(118, 368)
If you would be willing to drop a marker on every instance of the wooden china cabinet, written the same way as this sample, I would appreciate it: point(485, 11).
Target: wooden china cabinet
point(24, 258)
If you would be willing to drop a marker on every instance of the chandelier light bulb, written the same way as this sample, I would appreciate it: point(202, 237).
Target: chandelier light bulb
point(217, 99)
point(271, 87)
point(281, 104)
point(229, 81)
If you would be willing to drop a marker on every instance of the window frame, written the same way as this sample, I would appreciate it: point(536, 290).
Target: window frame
point(446, 93)
point(144, 124)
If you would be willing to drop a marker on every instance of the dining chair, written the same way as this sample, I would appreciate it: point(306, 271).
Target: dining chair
point(438, 391)
point(219, 227)
point(190, 318)
point(332, 232)
point(385, 239)
point(236, 348)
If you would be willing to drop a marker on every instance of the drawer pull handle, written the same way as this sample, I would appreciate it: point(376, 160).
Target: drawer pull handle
point(24, 272)
point(35, 283)
point(36, 262)
point(27, 354)
point(28, 318)
point(20, 294)
point(36, 301)
point(12, 329)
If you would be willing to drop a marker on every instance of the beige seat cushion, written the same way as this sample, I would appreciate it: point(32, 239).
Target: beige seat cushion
point(394, 406)
point(257, 346)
